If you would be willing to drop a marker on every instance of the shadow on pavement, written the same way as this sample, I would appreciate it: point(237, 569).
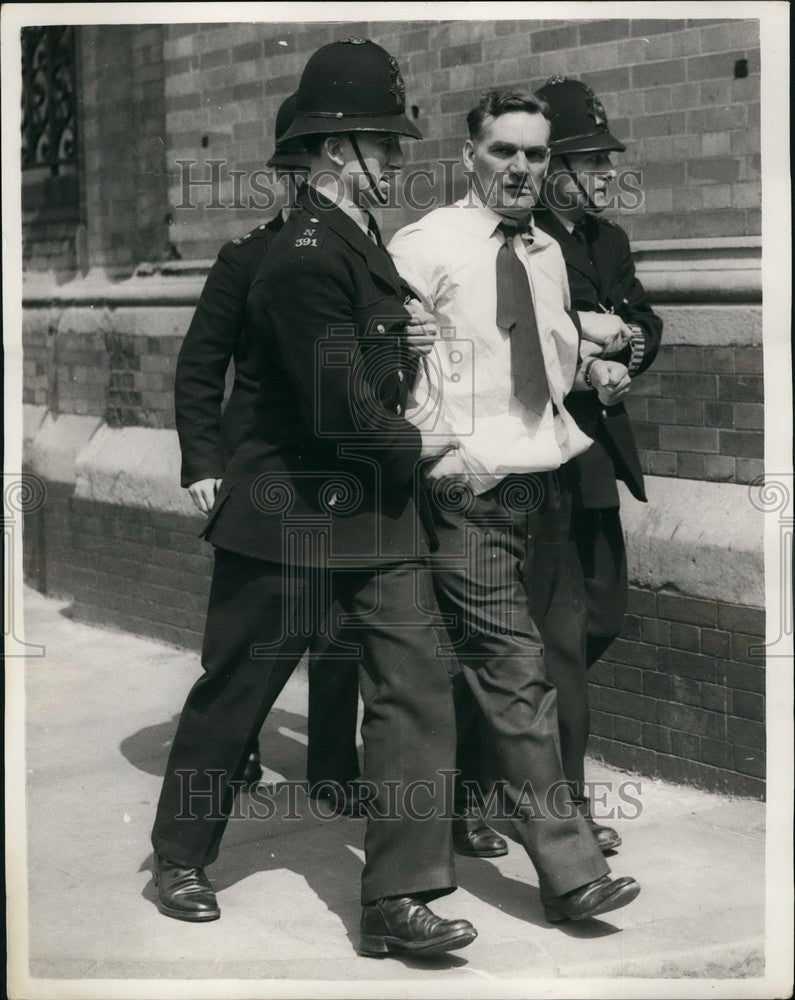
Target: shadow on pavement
point(322, 849)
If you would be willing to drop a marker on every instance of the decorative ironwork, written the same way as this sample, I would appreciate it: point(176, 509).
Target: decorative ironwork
point(49, 126)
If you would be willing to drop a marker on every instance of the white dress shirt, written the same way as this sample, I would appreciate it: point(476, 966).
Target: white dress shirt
point(449, 258)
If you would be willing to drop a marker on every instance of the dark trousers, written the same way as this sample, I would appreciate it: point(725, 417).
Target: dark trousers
point(331, 754)
point(580, 623)
point(255, 635)
point(479, 572)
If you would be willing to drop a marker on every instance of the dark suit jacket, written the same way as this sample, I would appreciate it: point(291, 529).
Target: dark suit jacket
point(607, 279)
point(207, 437)
point(329, 460)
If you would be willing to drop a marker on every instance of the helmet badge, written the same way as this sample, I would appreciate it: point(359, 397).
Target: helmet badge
point(398, 88)
point(596, 109)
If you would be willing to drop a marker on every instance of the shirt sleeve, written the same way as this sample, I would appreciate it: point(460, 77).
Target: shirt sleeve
point(414, 265)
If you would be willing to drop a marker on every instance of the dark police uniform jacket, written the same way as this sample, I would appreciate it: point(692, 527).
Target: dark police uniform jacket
point(216, 334)
point(606, 279)
point(328, 469)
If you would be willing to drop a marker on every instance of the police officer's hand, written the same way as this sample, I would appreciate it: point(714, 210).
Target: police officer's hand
point(421, 330)
point(608, 332)
point(202, 493)
point(611, 381)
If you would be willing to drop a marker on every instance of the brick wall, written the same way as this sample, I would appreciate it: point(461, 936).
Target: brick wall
point(140, 570)
point(698, 413)
point(122, 116)
point(668, 87)
point(110, 370)
point(680, 697)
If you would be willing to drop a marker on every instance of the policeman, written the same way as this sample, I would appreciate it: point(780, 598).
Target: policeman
point(318, 502)
point(209, 435)
point(617, 323)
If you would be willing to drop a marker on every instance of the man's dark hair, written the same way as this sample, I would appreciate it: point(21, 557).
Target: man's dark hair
point(313, 144)
point(496, 102)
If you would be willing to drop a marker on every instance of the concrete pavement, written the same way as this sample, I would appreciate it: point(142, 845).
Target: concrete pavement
point(101, 710)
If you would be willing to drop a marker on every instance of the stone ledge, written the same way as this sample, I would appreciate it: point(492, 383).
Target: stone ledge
point(52, 452)
point(133, 467)
point(727, 270)
point(699, 538)
point(715, 325)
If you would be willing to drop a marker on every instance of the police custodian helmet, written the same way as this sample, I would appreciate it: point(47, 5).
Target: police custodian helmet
point(579, 122)
point(351, 86)
point(289, 155)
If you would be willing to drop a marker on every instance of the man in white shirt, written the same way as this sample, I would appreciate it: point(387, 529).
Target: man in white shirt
point(507, 356)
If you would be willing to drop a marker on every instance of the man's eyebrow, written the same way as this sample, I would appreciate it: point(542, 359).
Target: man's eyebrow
point(504, 144)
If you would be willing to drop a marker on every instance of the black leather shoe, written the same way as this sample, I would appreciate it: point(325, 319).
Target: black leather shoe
point(343, 798)
point(601, 896)
point(472, 838)
point(607, 838)
point(184, 893)
point(402, 924)
point(252, 769)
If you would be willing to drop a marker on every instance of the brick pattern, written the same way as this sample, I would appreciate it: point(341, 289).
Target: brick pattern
point(681, 697)
point(140, 570)
point(698, 413)
point(126, 378)
point(668, 87)
point(122, 128)
point(50, 246)
point(141, 381)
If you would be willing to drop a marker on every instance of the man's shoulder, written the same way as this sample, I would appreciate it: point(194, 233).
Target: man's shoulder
point(609, 229)
point(306, 251)
point(254, 243)
point(438, 218)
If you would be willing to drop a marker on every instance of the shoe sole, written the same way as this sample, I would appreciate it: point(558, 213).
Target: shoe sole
point(604, 848)
point(618, 899)
point(381, 945)
point(193, 918)
point(500, 852)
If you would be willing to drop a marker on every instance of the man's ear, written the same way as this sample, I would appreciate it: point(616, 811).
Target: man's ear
point(334, 149)
point(467, 154)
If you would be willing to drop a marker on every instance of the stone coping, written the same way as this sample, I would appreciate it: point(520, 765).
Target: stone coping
point(724, 269)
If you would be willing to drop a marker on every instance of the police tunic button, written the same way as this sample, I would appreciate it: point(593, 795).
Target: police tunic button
point(381, 328)
point(398, 409)
point(604, 413)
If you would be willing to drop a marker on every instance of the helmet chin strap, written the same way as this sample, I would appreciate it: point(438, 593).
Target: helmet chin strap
point(379, 197)
point(573, 173)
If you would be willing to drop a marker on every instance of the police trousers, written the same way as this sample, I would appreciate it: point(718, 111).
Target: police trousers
point(258, 623)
